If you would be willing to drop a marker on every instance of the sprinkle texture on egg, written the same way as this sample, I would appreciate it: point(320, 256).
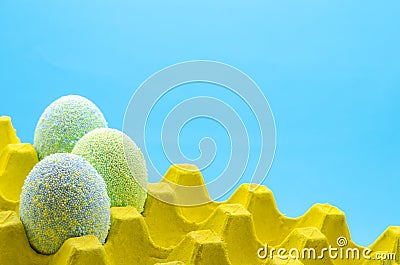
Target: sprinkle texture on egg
point(64, 122)
point(120, 162)
point(63, 197)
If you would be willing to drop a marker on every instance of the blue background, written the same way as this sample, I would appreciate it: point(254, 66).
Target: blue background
point(329, 69)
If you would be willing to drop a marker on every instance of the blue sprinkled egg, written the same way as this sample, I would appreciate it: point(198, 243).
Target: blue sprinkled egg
point(63, 197)
point(64, 122)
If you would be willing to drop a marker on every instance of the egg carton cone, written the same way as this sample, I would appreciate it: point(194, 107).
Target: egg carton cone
point(236, 231)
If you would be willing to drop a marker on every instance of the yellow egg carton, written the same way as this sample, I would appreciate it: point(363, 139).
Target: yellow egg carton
point(242, 230)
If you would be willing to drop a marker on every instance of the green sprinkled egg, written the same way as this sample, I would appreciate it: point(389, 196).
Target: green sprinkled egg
point(64, 122)
point(120, 162)
point(63, 197)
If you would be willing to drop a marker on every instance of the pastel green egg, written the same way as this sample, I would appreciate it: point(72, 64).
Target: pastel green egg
point(120, 162)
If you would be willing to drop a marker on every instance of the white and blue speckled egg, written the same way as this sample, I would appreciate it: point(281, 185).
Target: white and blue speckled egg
point(64, 122)
point(63, 197)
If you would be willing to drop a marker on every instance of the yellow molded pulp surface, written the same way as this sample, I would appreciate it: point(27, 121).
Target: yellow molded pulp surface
point(230, 232)
point(16, 161)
